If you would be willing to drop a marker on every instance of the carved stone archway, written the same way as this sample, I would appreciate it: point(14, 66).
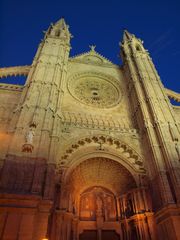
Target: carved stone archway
point(100, 162)
point(104, 176)
point(101, 145)
point(97, 179)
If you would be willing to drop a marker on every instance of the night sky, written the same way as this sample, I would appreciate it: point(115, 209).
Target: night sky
point(100, 23)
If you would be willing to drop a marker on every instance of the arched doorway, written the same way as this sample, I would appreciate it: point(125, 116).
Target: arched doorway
point(92, 195)
point(98, 208)
point(100, 199)
point(97, 201)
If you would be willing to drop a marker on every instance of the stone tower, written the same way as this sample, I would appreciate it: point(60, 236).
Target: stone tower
point(89, 149)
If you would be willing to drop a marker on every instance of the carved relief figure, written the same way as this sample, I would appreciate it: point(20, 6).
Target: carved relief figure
point(99, 204)
point(29, 136)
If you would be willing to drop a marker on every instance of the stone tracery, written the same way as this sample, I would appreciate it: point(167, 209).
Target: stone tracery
point(95, 89)
point(131, 156)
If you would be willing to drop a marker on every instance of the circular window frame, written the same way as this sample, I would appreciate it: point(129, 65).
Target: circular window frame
point(102, 77)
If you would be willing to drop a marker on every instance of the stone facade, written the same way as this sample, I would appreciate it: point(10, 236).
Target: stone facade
point(89, 149)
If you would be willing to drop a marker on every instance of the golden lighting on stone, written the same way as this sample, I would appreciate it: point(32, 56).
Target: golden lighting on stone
point(88, 149)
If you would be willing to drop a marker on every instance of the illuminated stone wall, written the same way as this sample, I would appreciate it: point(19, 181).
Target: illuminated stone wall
point(88, 148)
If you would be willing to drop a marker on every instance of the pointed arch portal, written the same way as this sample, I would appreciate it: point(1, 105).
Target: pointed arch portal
point(97, 195)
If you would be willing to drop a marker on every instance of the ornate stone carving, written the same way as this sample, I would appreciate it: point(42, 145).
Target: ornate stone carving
point(92, 57)
point(95, 89)
point(11, 87)
point(173, 95)
point(14, 71)
point(95, 121)
point(100, 172)
point(28, 146)
point(132, 157)
point(29, 136)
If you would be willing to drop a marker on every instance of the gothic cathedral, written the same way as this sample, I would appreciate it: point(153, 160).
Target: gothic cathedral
point(89, 150)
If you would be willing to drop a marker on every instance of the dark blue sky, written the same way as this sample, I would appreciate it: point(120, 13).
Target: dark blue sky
point(94, 22)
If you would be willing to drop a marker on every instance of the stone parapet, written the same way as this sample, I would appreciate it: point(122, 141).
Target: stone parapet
point(14, 71)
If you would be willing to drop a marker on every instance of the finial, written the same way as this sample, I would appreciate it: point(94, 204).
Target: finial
point(127, 36)
point(101, 147)
point(92, 47)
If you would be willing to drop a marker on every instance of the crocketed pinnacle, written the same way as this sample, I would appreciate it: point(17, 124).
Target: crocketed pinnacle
point(60, 29)
point(61, 24)
point(127, 36)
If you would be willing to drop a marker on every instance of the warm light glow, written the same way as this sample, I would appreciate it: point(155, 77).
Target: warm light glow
point(45, 239)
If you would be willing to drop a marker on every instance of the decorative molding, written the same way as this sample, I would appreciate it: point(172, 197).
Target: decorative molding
point(89, 121)
point(14, 71)
point(173, 95)
point(92, 57)
point(11, 87)
point(122, 148)
point(95, 89)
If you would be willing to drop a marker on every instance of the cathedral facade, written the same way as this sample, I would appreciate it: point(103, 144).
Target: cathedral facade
point(89, 150)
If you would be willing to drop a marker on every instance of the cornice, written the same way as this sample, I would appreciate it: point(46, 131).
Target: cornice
point(11, 87)
point(92, 58)
point(173, 95)
point(14, 71)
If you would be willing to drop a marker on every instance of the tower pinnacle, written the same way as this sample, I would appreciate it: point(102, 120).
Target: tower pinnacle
point(127, 36)
point(60, 29)
point(61, 24)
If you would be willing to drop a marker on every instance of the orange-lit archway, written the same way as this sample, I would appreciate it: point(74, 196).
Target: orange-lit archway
point(101, 171)
point(97, 196)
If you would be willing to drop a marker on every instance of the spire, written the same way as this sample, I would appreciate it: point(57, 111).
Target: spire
point(60, 29)
point(131, 44)
point(61, 24)
point(127, 36)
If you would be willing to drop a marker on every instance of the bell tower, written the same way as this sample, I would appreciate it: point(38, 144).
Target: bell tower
point(154, 116)
point(38, 113)
point(29, 166)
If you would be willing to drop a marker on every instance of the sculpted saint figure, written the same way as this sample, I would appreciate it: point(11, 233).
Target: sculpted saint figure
point(29, 136)
point(99, 204)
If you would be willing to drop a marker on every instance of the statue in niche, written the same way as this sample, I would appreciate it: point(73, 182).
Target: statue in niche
point(28, 146)
point(29, 136)
point(109, 208)
point(99, 213)
point(99, 203)
point(99, 206)
point(129, 208)
point(86, 203)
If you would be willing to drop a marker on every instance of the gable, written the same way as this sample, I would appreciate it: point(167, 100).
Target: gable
point(92, 57)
